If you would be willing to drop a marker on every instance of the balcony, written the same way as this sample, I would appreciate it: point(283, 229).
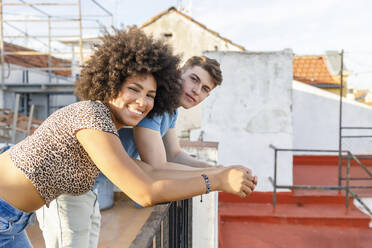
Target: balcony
point(178, 224)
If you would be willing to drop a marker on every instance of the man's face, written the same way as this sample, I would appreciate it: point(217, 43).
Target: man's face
point(196, 86)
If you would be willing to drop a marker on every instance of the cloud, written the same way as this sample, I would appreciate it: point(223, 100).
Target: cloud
point(223, 13)
point(301, 25)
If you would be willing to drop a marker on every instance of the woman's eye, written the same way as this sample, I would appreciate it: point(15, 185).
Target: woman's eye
point(151, 96)
point(193, 79)
point(206, 90)
point(133, 89)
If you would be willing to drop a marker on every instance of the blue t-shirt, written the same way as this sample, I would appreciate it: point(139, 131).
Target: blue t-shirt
point(159, 123)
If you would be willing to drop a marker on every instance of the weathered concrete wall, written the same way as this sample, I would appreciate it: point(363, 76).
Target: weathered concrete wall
point(316, 120)
point(188, 39)
point(250, 111)
point(205, 213)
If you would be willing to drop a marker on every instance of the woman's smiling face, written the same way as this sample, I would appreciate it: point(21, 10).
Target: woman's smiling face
point(134, 101)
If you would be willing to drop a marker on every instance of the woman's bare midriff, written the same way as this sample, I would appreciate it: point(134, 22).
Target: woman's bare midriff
point(15, 188)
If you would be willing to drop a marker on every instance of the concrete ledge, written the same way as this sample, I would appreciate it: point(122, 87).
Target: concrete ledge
point(198, 144)
point(145, 236)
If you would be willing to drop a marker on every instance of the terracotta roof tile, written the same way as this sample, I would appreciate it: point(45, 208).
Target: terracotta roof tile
point(312, 70)
point(6, 121)
point(360, 95)
point(40, 61)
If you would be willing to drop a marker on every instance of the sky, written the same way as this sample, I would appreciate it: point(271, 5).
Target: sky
point(306, 27)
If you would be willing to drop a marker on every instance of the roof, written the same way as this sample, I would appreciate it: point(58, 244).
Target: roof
point(6, 121)
point(173, 9)
point(40, 61)
point(363, 96)
point(360, 95)
point(312, 70)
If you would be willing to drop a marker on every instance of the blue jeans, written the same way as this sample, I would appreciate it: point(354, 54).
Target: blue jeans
point(13, 223)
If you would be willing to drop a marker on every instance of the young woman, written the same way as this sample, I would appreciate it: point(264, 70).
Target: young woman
point(66, 153)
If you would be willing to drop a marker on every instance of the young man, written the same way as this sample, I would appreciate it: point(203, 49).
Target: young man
point(154, 139)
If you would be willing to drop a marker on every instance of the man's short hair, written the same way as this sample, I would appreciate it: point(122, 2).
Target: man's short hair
point(208, 64)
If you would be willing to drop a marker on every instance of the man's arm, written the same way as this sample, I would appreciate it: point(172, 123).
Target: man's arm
point(175, 153)
point(162, 152)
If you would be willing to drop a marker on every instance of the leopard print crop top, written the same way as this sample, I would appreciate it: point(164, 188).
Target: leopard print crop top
point(52, 157)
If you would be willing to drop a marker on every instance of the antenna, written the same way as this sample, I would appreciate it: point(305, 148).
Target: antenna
point(184, 6)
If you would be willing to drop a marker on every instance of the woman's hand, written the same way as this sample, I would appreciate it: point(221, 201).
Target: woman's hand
point(236, 180)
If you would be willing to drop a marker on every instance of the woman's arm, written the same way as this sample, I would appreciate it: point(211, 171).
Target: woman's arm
point(148, 187)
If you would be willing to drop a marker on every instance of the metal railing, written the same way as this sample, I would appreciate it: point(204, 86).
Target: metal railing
point(341, 137)
point(180, 219)
point(348, 188)
point(169, 226)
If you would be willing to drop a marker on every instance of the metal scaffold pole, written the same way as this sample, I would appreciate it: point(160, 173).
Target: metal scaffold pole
point(49, 48)
point(340, 119)
point(80, 35)
point(53, 29)
point(2, 60)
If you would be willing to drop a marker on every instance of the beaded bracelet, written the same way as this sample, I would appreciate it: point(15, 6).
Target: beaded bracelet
point(207, 184)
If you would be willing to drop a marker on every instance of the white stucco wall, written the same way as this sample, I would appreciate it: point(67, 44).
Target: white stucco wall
point(316, 120)
point(188, 39)
point(250, 110)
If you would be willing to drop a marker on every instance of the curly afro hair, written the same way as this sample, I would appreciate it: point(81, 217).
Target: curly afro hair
point(128, 53)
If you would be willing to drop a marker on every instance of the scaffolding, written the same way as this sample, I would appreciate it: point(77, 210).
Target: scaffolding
point(49, 38)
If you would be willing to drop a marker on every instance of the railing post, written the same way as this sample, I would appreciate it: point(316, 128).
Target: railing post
point(339, 169)
point(347, 181)
point(172, 225)
point(166, 232)
point(275, 165)
point(185, 220)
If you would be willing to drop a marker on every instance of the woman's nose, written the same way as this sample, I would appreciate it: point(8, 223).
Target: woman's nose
point(140, 101)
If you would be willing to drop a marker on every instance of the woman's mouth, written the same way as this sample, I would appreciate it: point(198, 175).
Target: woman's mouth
point(136, 111)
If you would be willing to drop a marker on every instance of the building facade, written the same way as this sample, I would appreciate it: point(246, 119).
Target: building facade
point(189, 38)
